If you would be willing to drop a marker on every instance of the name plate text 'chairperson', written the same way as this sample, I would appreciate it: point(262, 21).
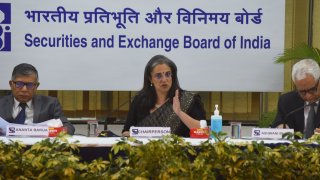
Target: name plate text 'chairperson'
point(149, 131)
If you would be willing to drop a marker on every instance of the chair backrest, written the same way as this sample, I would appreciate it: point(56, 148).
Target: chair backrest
point(109, 120)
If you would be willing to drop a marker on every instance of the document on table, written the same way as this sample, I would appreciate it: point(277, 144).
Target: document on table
point(3, 126)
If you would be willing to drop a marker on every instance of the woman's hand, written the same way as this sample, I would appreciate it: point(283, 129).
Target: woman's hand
point(176, 103)
point(185, 118)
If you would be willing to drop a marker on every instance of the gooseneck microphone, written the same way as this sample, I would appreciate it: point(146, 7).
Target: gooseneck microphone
point(285, 120)
point(110, 118)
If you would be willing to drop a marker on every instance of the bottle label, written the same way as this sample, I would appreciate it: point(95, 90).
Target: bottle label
point(199, 133)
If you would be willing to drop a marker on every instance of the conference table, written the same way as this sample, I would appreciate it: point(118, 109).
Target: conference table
point(84, 141)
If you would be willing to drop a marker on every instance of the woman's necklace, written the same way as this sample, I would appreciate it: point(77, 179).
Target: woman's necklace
point(159, 105)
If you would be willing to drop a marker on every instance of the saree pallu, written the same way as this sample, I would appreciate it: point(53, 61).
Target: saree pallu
point(164, 116)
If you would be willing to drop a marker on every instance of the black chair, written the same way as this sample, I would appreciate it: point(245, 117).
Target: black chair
point(109, 120)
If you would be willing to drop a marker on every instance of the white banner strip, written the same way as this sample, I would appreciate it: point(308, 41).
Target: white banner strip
point(217, 45)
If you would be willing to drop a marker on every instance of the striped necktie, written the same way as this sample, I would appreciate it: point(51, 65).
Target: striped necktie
point(22, 114)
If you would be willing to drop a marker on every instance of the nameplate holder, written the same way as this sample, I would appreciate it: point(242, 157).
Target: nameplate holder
point(149, 131)
point(27, 130)
point(54, 131)
point(199, 133)
point(269, 133)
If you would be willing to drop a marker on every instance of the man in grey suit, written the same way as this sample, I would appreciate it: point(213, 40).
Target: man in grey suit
point(300, 109)
point(37, 108)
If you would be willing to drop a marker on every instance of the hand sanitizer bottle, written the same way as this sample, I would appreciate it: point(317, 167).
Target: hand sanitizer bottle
point(216, 121)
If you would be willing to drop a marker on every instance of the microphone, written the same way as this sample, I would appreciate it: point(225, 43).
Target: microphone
point(296, 110)
point(292, 112)
point(112, 119)
point(106, 132)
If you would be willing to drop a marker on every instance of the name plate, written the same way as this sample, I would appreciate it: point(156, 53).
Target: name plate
point(26, 130)
point(272, 133)
point(149, 131)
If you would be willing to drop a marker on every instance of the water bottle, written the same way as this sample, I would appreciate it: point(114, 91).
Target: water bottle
point(216, 121)
point(203, 124)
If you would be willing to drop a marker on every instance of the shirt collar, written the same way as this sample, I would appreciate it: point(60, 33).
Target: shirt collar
point(16, 103)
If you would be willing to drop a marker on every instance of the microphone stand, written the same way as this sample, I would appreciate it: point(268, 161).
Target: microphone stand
point(290, 113)
point(114, 110)
point(106, 132)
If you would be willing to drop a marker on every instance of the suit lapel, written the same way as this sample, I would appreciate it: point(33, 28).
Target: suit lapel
point(301, 117)
point(10, 109)
point(36, 108)
point(317, 123)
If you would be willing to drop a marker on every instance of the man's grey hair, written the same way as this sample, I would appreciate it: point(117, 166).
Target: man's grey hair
point(305, 67)
point(24, 69)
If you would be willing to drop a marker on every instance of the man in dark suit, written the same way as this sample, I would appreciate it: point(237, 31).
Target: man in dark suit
point(36, 108)
point(299, 109)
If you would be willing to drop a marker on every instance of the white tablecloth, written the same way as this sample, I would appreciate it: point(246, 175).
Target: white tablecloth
point(109, 141)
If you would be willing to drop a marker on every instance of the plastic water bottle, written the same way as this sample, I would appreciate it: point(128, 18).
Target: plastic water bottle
point(203, 124)
point(216, 121)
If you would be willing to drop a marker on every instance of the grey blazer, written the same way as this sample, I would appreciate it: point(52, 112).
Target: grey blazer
point(45, 108)
point(288, 103)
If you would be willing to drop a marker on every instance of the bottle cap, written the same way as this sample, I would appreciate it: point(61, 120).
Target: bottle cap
point(203, 123)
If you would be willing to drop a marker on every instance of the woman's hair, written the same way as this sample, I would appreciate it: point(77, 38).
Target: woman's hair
point(304, 67)
point(148, 91)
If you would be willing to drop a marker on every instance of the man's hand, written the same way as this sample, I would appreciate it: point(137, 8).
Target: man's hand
point(317, 131)
point(126, 134)
point(280, 126)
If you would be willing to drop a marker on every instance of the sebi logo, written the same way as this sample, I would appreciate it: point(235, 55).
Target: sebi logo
point(12, 129)
point(256, 132)
point(135, 131)
point(5, 21)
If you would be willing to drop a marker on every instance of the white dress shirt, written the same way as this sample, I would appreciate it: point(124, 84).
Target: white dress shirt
point(29, 111)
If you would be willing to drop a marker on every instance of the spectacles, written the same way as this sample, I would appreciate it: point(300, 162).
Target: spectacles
point(312, 90)
point(160, 75)
point(29, 85)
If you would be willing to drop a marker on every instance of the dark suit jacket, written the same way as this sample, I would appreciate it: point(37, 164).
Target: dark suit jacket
point(45, 108)
point(291, 112)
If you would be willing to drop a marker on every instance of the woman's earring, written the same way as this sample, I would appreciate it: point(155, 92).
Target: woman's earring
point(151, 84)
